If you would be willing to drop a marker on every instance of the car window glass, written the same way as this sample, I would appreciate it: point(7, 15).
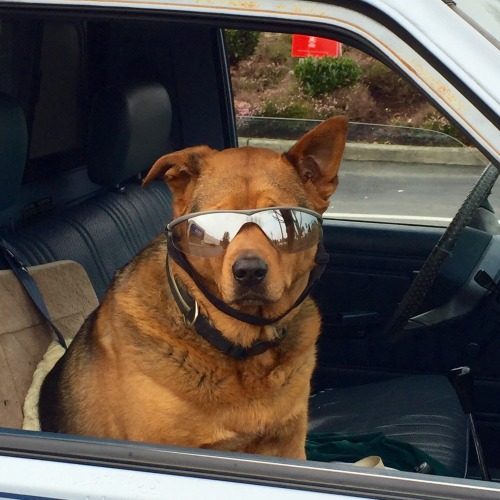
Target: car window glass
point(58, 107)
point(404, 162)
point(6, 52)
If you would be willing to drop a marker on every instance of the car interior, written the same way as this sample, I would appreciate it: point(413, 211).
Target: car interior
point(87, 104)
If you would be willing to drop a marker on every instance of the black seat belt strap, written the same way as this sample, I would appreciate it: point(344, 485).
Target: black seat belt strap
point(29, 284)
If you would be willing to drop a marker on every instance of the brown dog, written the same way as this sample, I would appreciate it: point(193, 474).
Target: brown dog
point(219, 354)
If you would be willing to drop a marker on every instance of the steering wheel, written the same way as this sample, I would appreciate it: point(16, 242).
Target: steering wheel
point(424, 280)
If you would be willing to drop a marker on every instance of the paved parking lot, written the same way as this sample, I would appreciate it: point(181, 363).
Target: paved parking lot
point(428, 194)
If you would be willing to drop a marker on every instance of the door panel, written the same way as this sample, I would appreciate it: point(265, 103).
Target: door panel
point(371, 266)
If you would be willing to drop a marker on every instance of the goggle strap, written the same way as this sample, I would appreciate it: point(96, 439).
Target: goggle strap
point(179, 258)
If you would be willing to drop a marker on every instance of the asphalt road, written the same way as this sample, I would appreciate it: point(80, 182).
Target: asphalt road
point(429, 194)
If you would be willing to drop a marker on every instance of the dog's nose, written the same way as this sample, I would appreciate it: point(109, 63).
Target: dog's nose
point(249, 271)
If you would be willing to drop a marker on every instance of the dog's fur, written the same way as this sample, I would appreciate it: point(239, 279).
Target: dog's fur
point(137, 371)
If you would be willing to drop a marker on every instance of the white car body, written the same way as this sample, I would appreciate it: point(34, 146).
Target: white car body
point(459, 70)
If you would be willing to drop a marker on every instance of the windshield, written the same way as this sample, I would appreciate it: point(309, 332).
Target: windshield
point(486, 13)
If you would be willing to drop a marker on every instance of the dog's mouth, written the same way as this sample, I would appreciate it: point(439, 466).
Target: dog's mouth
point(250, 298)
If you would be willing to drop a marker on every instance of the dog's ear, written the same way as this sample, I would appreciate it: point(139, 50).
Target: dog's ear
point(316, 157)
point(180, 170)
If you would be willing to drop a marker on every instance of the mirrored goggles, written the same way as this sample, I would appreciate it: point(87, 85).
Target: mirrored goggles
point(208, 234)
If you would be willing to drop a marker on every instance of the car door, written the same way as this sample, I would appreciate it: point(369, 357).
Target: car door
point(401, 183)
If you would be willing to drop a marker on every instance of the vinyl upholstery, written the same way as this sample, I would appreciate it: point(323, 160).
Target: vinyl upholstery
point(129, 130)
point(102, 235)
point(422, 410)
point(106, 232)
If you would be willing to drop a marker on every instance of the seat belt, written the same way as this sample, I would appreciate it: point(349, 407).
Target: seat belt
point(29, 284)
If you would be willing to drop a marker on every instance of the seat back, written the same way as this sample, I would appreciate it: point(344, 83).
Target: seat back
point(24, 333)
point(106, 232)
point(129, 130)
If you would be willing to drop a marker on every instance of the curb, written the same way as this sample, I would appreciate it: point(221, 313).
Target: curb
point(438, 155)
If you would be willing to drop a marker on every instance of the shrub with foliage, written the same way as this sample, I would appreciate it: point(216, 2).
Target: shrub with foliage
point(279, 51)
point(321, 75)
point(240, 44)
point(289, 109)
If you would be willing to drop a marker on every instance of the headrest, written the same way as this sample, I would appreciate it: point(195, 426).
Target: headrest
point(129, 131)
point(13, 149)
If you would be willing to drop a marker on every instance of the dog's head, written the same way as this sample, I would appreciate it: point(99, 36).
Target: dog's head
point(252, 273)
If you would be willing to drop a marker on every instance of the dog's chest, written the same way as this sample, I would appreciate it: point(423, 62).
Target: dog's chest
point(268, 389)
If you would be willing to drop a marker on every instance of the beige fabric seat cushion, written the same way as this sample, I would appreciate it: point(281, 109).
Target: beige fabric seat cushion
point(31, 420)
point(24, 333)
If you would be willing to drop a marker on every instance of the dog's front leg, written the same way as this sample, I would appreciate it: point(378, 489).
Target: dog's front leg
point(287, 441)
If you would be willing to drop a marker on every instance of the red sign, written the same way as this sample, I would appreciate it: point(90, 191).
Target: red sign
point(303, 46)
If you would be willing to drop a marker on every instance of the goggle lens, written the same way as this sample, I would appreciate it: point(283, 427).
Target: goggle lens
point(208, 234)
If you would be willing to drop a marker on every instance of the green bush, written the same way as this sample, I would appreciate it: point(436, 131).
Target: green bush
point(240, 44)
point(278, 51)
point(321, 75)
point(292, 109)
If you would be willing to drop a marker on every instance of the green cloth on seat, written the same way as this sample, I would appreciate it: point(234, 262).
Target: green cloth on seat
point(331, 446)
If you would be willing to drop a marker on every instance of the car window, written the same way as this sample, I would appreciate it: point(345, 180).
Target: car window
point(404, 161)
point(46, 76)
point(60, 92)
